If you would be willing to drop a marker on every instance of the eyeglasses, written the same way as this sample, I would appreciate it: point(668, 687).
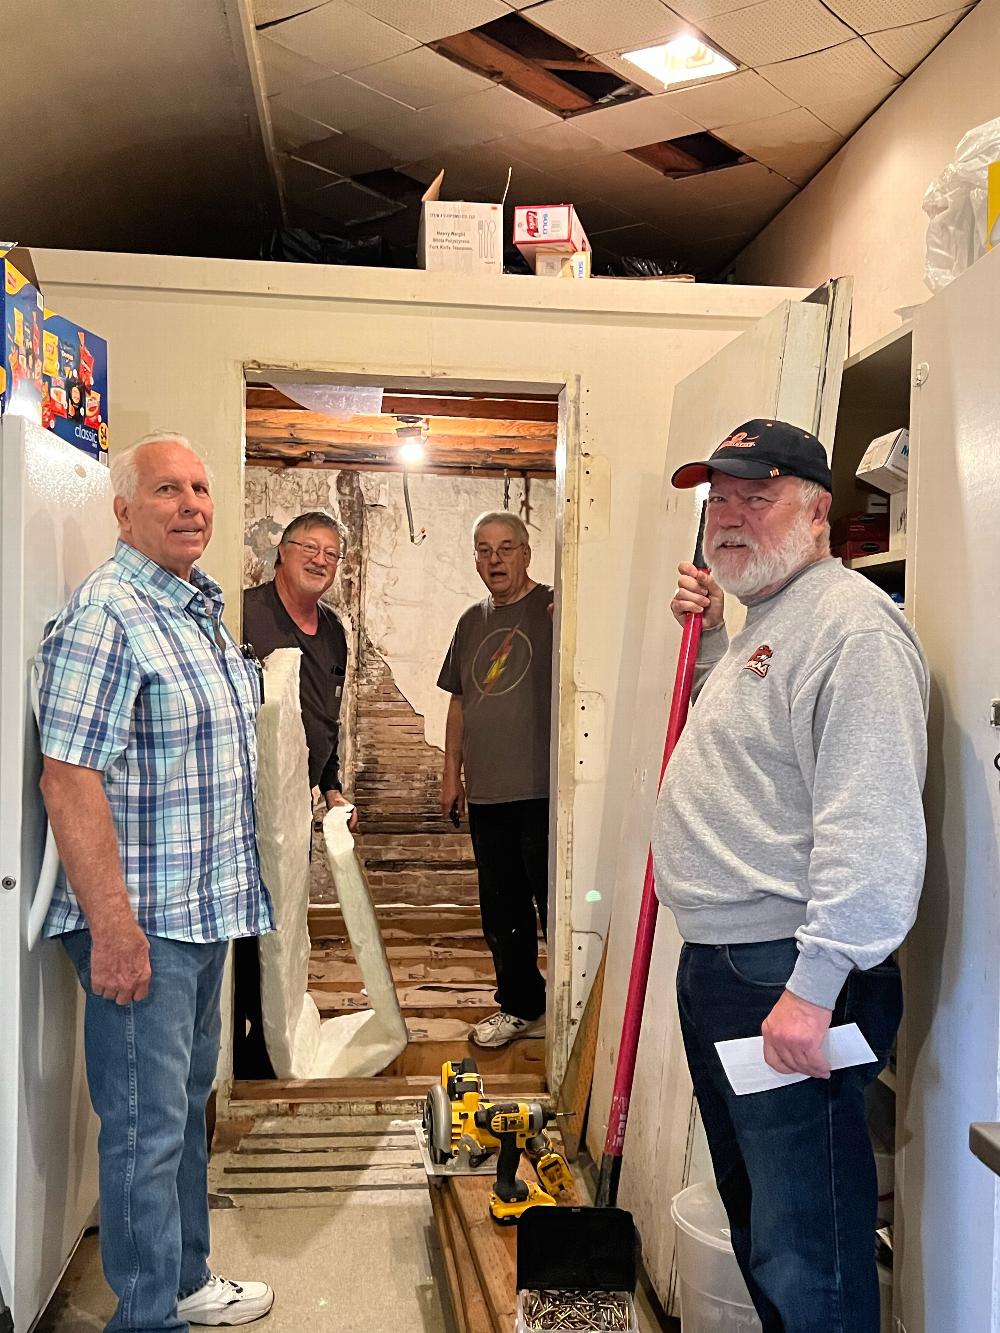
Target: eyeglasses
point(311, 550)
point(505, 550)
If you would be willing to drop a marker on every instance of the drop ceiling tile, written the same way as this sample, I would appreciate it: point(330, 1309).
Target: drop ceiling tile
point(551, 146)
point(905, 48)
point(340, 36)
point(697, 10)
point(764, 139)
point(290, 130)
point(775, 30)
point(409, 137)
point(877, 15)
point(421, 78)
point(598, 215)
point(490, 115)
point(283, 69)
point(849, 114)
point(340, 103)
point(596, 25)
point(346, 155)
point(643, 121)
point(301, 178)
point(850, 68)
point(346, 202)
point(726, 188)
point(641, 240)
point(737, 97)
point(528, 186)
point(271, 11)
point(616, 177)
point(430, 20)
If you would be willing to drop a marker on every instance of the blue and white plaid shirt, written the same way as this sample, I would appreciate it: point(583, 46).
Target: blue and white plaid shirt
point(139, 679)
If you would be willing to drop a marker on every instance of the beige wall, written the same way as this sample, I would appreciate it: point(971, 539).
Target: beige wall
point(862, 214)
point(182, 330)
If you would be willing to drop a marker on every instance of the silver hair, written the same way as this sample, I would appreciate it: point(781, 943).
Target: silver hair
point(315, 518)
point(501, 516)
point(124, 467)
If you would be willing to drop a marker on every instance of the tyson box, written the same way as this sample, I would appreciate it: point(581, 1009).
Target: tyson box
point(21, 315)
point(548, 229)
point(886, 462)
point(75, 385)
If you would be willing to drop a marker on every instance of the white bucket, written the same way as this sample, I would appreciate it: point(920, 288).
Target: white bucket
point(714, 1297)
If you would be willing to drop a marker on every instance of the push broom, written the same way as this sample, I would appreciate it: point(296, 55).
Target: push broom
point(614, 1143)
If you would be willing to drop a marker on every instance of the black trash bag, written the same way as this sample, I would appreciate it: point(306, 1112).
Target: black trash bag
point(299, 245)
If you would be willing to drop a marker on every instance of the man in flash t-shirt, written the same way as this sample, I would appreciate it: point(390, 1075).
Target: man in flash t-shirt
point(498, 672)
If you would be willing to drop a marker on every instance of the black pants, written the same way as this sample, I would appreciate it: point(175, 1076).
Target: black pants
point(511, 845)
point(250, 1057)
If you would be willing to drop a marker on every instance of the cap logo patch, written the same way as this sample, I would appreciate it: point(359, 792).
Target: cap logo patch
point(740, 440)
point(759, 661)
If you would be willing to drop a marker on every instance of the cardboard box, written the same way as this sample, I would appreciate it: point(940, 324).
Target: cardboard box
point(457, 237)
point(886, 462)
point(855, 535)
point(562, 266)
point(75, 385)
point(897, 520)
point(21, 315)
point(550, 229)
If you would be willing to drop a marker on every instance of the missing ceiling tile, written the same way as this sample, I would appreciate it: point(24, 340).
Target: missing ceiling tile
point(521, 57)
point(690, 155)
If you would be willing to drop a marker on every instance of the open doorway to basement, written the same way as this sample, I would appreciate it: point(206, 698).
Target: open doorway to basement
point(405, 471)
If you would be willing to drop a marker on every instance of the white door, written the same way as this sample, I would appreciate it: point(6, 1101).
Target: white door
point(788, 367)
point(947, 1202)
point(57, 525)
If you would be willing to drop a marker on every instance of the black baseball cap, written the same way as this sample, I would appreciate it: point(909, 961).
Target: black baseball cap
point(760, 449)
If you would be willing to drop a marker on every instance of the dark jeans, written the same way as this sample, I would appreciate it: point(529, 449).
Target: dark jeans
point(511, 845)
point(150, 1067)
point(794, 1165)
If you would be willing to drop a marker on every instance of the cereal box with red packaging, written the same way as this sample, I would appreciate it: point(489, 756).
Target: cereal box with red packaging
point(75, 385)
point(20, 335)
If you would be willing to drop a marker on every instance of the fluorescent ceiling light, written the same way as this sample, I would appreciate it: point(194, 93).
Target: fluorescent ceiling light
point(412, 451)
point(685, 58)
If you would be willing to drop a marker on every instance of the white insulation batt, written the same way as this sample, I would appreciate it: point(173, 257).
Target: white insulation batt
point(354, 1045)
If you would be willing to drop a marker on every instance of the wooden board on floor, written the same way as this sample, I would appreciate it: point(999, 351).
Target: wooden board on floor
point(425, 1056)
point(406, 1088)
point(326, 919)
point(485, 1253)
point(574, 1092)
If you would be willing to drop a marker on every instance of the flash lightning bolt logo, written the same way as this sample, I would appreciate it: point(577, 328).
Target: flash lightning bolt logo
point(498, 664)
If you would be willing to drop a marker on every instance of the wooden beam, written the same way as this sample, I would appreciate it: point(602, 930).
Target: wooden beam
point(457, 470)
point(440, 404)
point(275, 423)
point(528, 77)
point(667, 158)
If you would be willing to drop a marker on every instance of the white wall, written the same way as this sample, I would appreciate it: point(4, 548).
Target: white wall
point(413, 593)
point(861, 215)
point(181, 331)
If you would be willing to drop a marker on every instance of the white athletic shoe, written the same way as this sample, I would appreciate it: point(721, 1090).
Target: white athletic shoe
point(220, 1302)
point(501, 1028)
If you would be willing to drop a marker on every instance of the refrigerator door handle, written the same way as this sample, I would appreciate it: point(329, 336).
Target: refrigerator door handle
point(42, 896)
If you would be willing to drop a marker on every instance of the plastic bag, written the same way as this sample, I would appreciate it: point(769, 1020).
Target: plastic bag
point(955, 203)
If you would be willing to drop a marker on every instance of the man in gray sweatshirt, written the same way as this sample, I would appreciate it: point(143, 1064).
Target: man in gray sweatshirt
point(789, 842)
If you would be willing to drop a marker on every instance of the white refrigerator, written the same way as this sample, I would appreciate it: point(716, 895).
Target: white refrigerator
point(56, 525)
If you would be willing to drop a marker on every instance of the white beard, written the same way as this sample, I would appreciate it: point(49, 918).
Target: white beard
point(762, 567)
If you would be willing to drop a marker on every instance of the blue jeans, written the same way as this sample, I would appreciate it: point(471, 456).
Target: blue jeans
point(794, 1165)
point(150, 1068)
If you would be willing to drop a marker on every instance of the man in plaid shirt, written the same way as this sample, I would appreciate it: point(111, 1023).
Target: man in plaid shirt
point(147, 723)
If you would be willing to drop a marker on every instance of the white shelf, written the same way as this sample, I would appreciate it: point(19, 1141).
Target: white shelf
point(880, 560)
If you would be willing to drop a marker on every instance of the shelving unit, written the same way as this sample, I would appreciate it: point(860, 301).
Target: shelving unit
point(875, 399)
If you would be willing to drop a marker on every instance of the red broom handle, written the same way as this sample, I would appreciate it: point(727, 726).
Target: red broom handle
point(614, 1144)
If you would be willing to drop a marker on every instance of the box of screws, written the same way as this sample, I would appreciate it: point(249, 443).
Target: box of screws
point(575, 1311)
point(576, 1271)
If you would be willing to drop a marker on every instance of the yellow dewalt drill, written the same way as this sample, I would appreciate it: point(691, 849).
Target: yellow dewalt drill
point(512, 1126)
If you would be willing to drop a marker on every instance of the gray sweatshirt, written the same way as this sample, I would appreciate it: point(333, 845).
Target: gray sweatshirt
point(792, 803)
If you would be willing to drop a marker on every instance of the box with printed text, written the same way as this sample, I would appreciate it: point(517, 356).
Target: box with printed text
point(75, 385)
point(20, 335)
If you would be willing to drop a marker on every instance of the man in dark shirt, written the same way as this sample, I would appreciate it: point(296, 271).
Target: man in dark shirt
point(288, 613)
point(499, 674)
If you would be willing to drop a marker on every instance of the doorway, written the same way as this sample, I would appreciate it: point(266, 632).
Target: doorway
point(405, 471)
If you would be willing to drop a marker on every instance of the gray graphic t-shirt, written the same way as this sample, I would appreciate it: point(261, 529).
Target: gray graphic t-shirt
point(500, 664)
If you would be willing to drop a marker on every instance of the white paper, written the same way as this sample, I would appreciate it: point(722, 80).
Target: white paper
point(747, 1071)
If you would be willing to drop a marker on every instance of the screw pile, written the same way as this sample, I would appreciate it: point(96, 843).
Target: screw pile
point(576, 1311)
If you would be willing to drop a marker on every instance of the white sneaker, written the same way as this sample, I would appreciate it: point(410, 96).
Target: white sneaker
point(501, 1028)
point(222, 1302)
